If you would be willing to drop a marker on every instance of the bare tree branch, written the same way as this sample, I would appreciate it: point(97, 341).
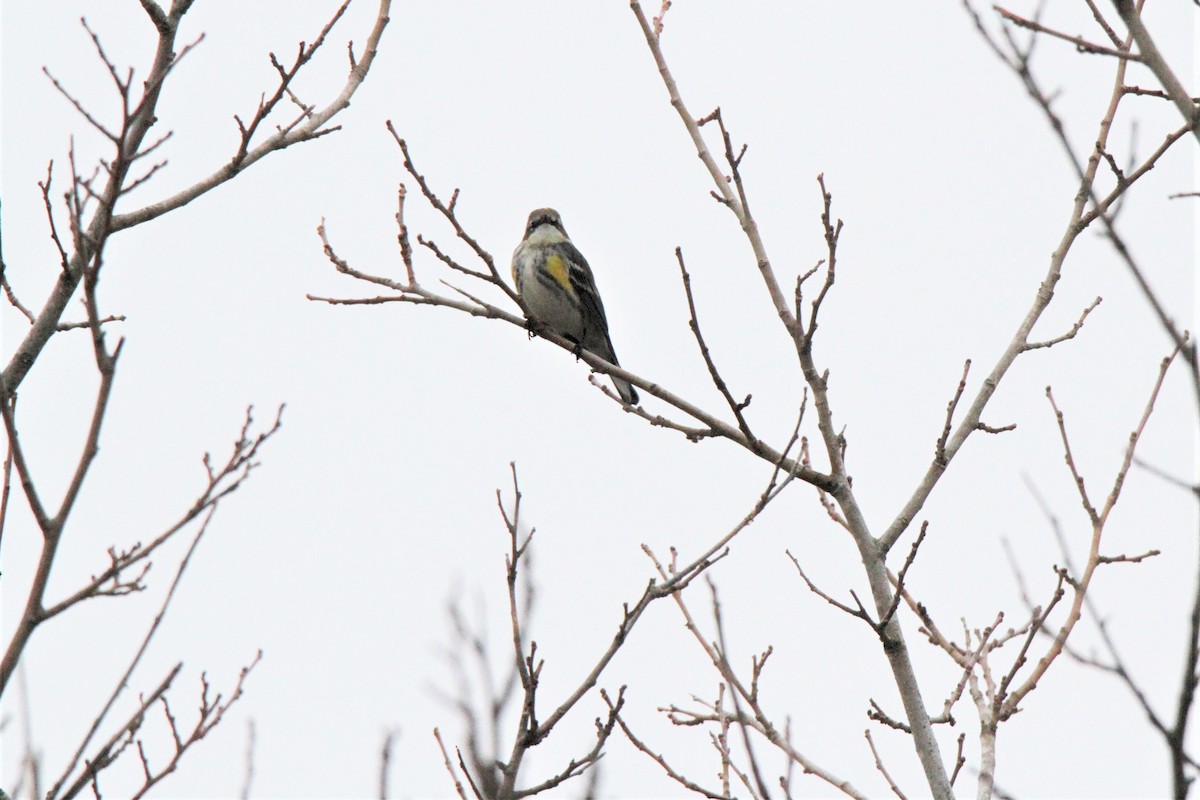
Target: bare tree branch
point(138, 118)
point(1151, 56)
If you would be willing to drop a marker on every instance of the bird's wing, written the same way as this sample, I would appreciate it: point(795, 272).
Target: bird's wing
point(595, 337)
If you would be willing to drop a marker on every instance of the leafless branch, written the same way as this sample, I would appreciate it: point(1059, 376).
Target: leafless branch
point(757, 719)
point(859, 612)
point(415, 294)
point(458, 787)
point(1069, 334)
point(940, 450)
point(1070, 459)
point(71, 326)
point(1007, 705)
point(959, 759)
point(449, 213)
point(1081, 45)
point(678, 777)
point(138, 117)
point(694, 321)
point(1017, 345)
point(307, 127)
point(498, 777)
point(881, 627)
point(1131, 15)
point(90, 771)
point(733, 195)
point(51, 525)
point(882, 769)
point(222, 481)
point(402, 235)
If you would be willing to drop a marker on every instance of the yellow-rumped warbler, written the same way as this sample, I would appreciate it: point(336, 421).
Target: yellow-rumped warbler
point(554, 280)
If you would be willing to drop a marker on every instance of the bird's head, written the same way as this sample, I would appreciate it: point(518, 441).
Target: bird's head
point(544, 216)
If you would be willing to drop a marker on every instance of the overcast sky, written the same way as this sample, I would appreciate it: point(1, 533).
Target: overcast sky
point(376, 503)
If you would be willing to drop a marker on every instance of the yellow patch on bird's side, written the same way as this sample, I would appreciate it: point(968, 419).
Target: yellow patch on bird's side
point(556, 265)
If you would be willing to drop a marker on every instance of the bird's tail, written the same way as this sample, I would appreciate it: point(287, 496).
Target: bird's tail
point(627, 392)
point(602, 346)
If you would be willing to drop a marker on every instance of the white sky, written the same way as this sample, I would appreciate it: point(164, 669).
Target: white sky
point(376, 503)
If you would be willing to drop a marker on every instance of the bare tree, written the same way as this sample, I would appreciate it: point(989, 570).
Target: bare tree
point(1136, 46)
point(999, 667)
point(82, 219)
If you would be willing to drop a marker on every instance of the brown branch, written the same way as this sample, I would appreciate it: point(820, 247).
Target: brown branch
point(1133, 171)
point(1140, 91)
point(1151, 56)
point(1069, 334)
point(527, 734)
point(1112, 36)
point(451, 216)
point(757, 665)
point(1081, 582)
point(499, 777)
point(577, 766)
point(1001, 709)
point(678, 777)
point(690, 432)
point(733, 195)
point(694, 322)
point(107, 753)
point(881, 626)
point(137, 119)
point(959, 758)
point(222, 482)
point(725, 192)
point(418, 295)
point(940, 449)
point(1126, 559)
point(882, 769)
point(458, 787)
point(286, 76)
point(51, 526)
point(1081, 45)
point(832, 234)
point(212, 711)
point(450, 262)
point(860, 612)
point(758, 721)
point(71, 326)
point(95, 764)
point(402, 236)
point(310, 127)
point(7, 488)
point(45, 187)
point(967, 659)
point(1070, 459)
point(883, 718)
point(1018, 62)
point(79, 107)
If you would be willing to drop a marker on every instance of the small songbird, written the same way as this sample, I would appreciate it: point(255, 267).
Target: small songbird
point(554, 280)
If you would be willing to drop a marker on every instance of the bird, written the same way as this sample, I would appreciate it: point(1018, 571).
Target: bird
point(556, 284)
